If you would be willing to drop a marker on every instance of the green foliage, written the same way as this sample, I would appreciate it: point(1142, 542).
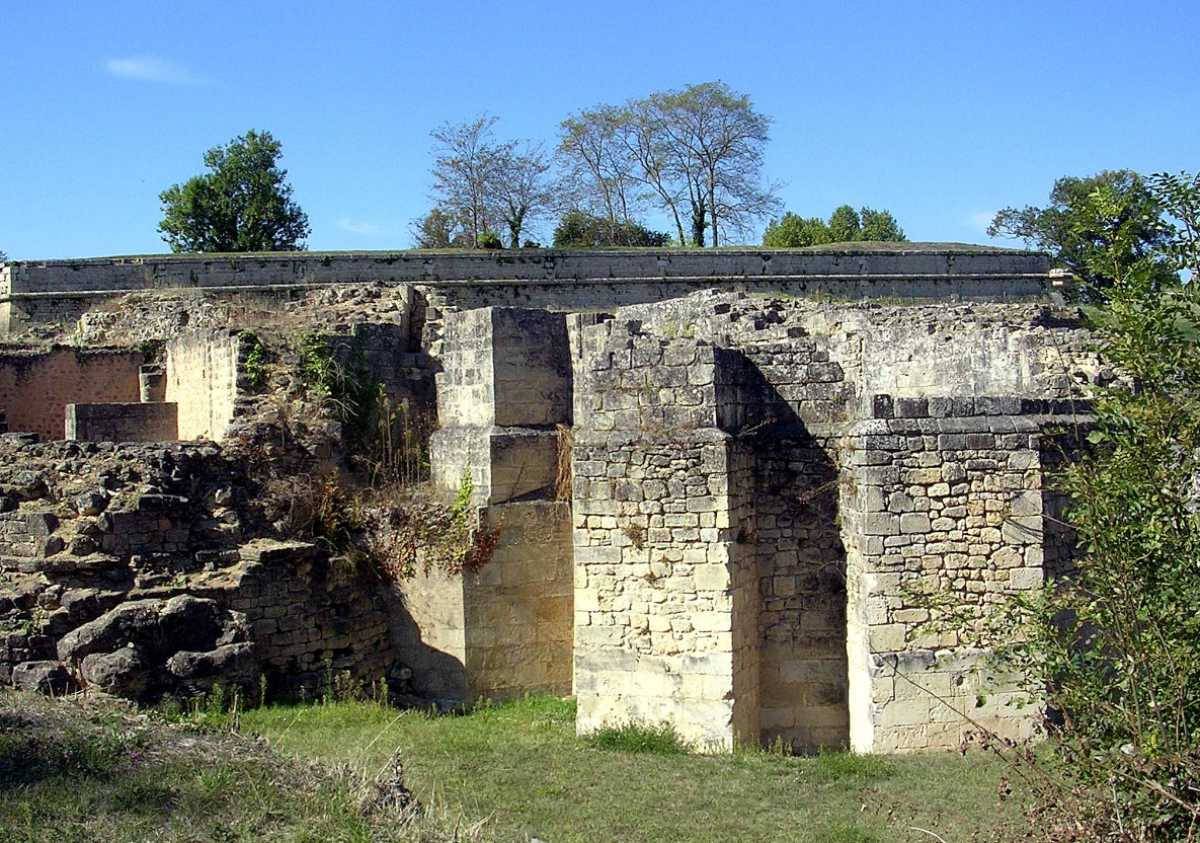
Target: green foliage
point(254, 364)
point(640, 737)
point(1116, 641)
point(243, 204)
point(440, 229)
point(1097, 244)
point(489, 239)
point(845, 225)
point(880, 225)
point(580, 230)
point(792, 231)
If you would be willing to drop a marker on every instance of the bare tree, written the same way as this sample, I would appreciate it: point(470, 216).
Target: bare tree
point(464, 170)
point(521, 187)
point(641, 131)
point(598, 172)
point(718, 140)
point(695, 153)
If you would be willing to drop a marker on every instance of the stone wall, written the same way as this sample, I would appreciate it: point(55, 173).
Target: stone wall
point(36, 385)
point(936, 500)
point(54, 291)
point(143, 422)
point(517, 607)
point(760, 400)
point(202, 380)
point(142, 569)
point(666, 592)
point(504, 629)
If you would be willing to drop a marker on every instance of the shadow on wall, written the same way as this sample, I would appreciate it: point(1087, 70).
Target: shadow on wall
point(803, 670)
point(437, 675)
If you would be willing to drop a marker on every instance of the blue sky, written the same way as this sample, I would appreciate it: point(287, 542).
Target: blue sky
point(941, 112)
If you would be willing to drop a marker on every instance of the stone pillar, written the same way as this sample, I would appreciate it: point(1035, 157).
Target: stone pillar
point(505, 629)
point(941, 503)
point(666, 593)
point(505, 385)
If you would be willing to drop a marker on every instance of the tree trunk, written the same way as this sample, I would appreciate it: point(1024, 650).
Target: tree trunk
point(698, 212)
point(712, 215)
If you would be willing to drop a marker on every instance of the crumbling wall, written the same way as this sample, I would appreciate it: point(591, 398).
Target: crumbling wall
point(665, 595)
point(202, 380)
point(37, 385)
point(143, 570)
point(935, 501)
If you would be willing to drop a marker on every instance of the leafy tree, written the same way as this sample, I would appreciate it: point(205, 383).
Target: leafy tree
point(880, 225)
point(439, 230)
point(1104, 247)
point(844, 225)
point(1114, 643)
point(581, 230)
point(793, 231)
point(243, 204)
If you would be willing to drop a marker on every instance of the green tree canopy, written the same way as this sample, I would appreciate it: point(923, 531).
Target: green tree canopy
point(242, 204)
point(792, 231)
point(845, 225)
point(581, 230)
point(440, 229)
point(880, 225)
point(1097, 249)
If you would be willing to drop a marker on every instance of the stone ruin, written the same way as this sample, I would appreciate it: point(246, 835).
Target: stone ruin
point(717, 481)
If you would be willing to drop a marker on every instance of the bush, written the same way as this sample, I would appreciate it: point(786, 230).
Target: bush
point(1114, 643)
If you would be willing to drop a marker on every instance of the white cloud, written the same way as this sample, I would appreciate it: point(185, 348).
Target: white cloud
point(360, 227)
point(980, 220)
point(151, 69)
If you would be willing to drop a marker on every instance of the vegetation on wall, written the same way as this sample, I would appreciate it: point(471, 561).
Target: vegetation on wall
point(581, 230)
point(377, 509)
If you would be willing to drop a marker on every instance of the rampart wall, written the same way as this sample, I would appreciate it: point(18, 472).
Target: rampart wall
point(56, 291)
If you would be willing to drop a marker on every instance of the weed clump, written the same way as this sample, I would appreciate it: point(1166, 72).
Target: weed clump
point(661, 739)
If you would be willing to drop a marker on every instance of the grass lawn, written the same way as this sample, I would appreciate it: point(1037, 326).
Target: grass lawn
point(520, 766)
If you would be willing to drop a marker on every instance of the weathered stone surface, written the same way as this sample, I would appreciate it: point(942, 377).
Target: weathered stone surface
point(46, 677)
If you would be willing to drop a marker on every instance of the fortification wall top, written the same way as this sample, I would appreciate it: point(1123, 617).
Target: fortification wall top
point(267, 269)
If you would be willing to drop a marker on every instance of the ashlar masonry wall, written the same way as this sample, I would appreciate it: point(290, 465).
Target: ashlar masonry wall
point(504, 629)
point(666, 596)
point(36, 386)
point(202, 379)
